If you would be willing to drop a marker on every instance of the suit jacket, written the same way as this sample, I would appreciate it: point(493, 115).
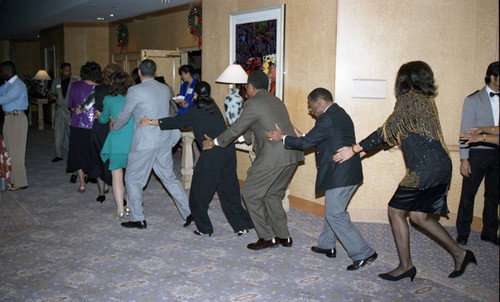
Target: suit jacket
point(476, 112)
point(261, 113)
point(204, 123)
point(151, 99)
point(56, 87)
point(333, 130)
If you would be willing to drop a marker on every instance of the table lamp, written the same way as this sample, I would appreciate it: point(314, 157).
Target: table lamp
point(233, 74)
point(42, 76)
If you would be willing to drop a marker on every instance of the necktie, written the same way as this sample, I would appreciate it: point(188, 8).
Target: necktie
point(492, 94)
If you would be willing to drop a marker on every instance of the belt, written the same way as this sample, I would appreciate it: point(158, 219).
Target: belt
point(14, 112)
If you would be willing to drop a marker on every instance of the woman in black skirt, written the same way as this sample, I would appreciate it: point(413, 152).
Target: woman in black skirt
point(81, 121)
point(98, 169)
point(414, 125)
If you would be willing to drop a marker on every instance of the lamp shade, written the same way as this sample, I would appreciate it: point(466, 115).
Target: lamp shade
point(233, 74)
point(42, 75)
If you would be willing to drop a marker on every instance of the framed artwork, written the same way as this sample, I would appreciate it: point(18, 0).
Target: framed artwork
point(256, 43)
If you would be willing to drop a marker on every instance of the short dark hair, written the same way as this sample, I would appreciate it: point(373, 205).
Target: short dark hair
point(204, 101)
point(491, 71)
point(186, 69)
point(90, 71)
point(147, 68)
point(8, 68)
point(415, 76)
point(320, 93)
point(64, 65)
point(259, 80)
point(120, 82)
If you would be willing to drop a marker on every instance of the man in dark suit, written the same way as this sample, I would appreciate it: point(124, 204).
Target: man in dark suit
point(333, 130)
point(273, 167)
point(480, 161)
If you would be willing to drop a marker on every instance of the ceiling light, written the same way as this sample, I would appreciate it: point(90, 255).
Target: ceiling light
point(111, 15)
point(165, 1)
point(100, 18)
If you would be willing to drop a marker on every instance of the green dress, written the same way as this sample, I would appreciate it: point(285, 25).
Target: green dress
point(117, 144)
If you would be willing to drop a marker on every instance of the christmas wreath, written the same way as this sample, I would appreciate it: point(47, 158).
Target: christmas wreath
point(122, 36)
point(194, 23)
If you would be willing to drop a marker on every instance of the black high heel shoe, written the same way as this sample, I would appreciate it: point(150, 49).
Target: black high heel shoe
point(469, 258)
point(201, 234)
point(100, 198)
point(412, 272)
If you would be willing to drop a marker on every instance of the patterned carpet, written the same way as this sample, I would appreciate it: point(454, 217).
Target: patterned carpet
point(75, 251)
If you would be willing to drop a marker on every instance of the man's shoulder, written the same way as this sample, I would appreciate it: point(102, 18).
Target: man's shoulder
point(475, 93)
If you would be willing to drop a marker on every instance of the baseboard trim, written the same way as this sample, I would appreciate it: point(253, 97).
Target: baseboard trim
point(370, 215)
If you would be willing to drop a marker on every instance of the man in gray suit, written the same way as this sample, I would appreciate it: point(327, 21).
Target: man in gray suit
point(273, 167)
point(481, 160)
point(60, 91)
point(151, 148)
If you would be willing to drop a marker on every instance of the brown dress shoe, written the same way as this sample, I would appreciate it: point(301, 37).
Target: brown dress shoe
point(286, 242)
point(15, 188)
point(262, 244)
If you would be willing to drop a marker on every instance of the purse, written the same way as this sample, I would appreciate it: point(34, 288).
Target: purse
point(89, 101)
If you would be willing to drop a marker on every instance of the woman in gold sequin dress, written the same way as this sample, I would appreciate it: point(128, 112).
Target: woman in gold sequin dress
point(414, 126)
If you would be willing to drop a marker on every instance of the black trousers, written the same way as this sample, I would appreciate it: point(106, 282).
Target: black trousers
point(203, 187)
point(484, 164)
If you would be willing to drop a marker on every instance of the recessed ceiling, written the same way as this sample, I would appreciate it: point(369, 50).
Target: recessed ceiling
point(24, 19)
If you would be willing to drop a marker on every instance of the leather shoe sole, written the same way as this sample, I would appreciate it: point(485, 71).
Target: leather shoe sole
point(360, 263)
point(330, 253)
point(135, 224)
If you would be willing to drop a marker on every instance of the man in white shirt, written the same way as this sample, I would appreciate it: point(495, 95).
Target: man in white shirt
point(480, 160)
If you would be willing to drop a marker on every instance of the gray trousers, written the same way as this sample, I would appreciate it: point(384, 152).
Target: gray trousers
point(138, 170)
point(262, 193)
point(15, 135)
point(338, 224)
point(61, 129)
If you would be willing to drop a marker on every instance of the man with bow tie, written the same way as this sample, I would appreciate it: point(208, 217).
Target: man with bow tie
point(480, 160)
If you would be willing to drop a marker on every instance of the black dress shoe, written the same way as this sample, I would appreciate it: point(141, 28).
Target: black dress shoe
point(360, 263)
point(135, 224)
point(462, 239)
point(101, 198)
point(469, 258)
point(189, 220)
point(262, 244)
point(72, 179)
point(491, 239)
point(286, 242)
point(330, 253)
point(56, 159)
point(201, 234)
point(411, 273)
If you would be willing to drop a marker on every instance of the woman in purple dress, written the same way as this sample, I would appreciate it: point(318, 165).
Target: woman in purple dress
point(81, 122)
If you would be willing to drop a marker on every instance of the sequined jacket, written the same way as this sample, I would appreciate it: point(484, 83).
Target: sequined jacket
point(428, 163)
